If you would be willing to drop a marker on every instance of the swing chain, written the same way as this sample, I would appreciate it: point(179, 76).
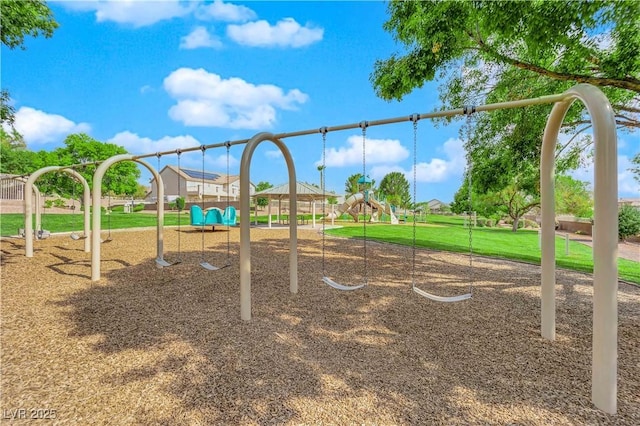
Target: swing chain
point(323, 131)
point(364, 125)
point(228, 145)
point(468, 110)
point(414, 118)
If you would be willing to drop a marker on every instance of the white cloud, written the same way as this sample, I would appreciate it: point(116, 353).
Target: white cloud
point(220, 11)
point(378, 151)
point(133, 12)
point(273, 154)
point(39, 127)
point(286, 33)
point(206, 99)
point(436, 170)
point(135, 144)
point(200, 37)
point(146, 89)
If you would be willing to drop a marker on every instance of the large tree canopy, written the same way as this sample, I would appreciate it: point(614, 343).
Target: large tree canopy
point(495, 51)
point(594, 42)
point(21, 18)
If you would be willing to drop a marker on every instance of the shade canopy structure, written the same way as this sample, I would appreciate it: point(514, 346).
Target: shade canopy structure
point(304, 191)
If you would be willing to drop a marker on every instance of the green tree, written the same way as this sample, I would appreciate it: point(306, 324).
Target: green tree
point(635, 168)
point(481, 54)
point(573, 197)
point(395, 188)
point(321, 169)
point(513, 201)
point(261, 186)
point(120, 179)
point(594, 42)
point(351, 186)
point(21, 18)
point(9, 136)
point(628, 221)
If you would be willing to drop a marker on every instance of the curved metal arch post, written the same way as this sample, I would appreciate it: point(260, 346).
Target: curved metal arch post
point(36, 197)
point(97, 195)
point(245, 241)
point(28, 204)
point(605, 241)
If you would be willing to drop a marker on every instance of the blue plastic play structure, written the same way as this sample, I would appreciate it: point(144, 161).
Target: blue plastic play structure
point(213, 217)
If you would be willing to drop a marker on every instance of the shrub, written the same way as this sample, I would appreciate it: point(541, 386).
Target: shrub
point(180, 203)
point(628, 222)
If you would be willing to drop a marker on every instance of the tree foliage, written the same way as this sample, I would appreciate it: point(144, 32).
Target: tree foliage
point(495, 51)
point(351, 185)
point(573, 197)
point(120, 179)
point(261, 186)
point(21, 18)
point(628, 221)
point(395, 188)
point(635, 168)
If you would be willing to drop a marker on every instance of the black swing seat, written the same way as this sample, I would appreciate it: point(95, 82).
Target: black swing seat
point(342, 287)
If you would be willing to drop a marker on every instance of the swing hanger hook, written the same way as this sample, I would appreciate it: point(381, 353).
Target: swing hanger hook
point(468, 110)
point(414, 118)
point(323, 130)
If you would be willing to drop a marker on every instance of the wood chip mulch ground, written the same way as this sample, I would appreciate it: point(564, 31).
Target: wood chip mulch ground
point(167, 346)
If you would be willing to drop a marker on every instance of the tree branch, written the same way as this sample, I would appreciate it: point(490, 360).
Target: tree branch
point(627, 83)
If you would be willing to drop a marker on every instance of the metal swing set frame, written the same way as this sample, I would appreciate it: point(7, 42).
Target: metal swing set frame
point(605, 271)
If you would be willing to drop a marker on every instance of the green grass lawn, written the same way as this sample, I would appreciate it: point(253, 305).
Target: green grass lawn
point(9, 223)
point(448, 234)
point(440, 233)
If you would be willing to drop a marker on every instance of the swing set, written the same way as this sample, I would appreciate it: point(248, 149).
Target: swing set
point(605, 275)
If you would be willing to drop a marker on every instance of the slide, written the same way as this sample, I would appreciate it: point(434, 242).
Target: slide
point(382, 207)
point(355, 200)
point(348, 206)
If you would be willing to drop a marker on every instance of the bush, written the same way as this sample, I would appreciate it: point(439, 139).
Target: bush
point(180, 203)
point(628, 222)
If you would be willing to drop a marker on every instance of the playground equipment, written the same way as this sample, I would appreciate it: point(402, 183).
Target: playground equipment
point(212, 217)
point(28, 205)
point(325, 278)
point(352, 203)
point(415, 118)
point(605, 243)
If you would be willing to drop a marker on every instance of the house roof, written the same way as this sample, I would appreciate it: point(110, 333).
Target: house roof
point(304, 191)
point(195, 175)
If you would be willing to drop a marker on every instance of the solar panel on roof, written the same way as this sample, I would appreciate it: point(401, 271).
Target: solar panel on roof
point(195, 174)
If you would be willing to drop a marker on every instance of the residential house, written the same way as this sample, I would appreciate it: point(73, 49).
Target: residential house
point(197, 186)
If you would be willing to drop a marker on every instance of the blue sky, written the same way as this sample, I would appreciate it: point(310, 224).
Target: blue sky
point(155, 76)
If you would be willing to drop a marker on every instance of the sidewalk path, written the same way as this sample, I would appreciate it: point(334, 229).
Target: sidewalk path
point(626, 250)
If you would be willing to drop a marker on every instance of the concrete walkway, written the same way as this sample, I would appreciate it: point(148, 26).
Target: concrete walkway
point(626, 250)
